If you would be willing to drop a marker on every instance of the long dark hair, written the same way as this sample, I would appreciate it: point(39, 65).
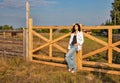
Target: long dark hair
point(73, 29)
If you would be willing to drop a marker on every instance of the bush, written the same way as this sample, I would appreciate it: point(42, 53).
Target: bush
point(6, 27)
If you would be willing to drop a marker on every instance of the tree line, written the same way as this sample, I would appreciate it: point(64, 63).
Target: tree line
point(6, 27)
point(9, 27)
point(115, 15)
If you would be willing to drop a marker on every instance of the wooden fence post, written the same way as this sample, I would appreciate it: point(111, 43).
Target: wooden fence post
point(4, 35)
point(30, 39)
point(4, 52)
point(25, 43)
point(79, 60)
point(50, 46)
point(79, 57)
point(110, 43)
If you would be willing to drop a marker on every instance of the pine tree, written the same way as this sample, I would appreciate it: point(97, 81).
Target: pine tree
point(115, 12)
point(115, 17)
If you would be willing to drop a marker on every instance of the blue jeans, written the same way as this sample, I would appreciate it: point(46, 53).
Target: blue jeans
point(71, 58)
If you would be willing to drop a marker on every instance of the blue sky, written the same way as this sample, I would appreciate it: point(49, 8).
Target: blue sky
point(55, 12)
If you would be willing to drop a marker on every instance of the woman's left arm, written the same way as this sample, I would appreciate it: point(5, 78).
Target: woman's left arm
point(80, 38)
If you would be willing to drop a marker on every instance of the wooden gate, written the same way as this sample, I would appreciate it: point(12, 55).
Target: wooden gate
point(11, 43)
point(110, 46)
point(81, 59)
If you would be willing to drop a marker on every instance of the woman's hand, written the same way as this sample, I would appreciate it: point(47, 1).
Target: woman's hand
point(76, 44)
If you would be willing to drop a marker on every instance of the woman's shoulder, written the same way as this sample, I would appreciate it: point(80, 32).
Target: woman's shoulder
point(72, 33)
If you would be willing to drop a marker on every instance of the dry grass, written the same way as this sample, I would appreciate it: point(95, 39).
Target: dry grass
point(16, 70)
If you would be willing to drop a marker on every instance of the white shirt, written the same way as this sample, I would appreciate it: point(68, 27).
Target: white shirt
point(80, 40)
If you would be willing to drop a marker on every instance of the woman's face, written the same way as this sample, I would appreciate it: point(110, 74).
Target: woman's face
point(76, 28)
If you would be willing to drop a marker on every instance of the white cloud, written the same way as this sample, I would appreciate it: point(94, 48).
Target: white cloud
point(21, 3)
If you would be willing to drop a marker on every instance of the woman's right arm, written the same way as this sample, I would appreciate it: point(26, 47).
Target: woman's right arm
point(70, 40)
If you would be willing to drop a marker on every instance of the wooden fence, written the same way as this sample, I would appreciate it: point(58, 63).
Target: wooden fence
point(12, 42)
point(81, 59)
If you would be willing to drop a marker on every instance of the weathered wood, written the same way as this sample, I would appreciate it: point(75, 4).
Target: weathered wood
point(4, 35)
point(10, 31)
point(16, 42)
point(24, 44)
point(26, 31)
point(10, 39)
point(27, 44)
point(27, 13)
point(9, 53)
point(12, 50)
point(7, 43)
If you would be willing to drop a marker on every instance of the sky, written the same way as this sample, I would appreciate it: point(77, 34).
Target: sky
point(55, 12)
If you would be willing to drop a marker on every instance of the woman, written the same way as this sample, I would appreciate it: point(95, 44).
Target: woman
point(75, 44)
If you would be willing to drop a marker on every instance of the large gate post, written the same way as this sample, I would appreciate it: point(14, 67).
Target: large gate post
point(79, 57)
point(30, 38)
point(26, 32)
point(79, 60)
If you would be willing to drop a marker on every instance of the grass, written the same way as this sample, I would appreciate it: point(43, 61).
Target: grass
point(16, 70)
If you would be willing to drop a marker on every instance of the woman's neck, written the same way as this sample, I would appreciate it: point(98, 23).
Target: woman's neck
point(76, 31)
